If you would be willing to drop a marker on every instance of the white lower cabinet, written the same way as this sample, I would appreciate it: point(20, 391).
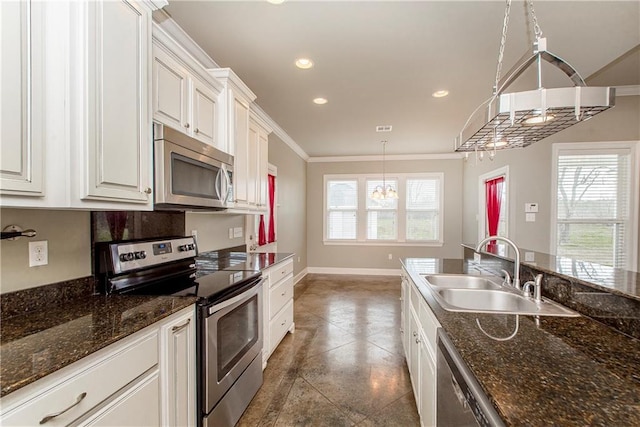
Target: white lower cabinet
point(126, 383)
point(420, 349)
point(278, 306)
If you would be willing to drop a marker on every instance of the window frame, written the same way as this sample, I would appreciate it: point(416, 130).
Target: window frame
point(591, 148)
point(401, 210)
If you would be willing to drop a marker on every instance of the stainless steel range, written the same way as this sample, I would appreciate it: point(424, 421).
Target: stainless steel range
point(229, 313)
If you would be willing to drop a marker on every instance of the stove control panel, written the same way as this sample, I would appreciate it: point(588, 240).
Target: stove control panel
point(130, 256)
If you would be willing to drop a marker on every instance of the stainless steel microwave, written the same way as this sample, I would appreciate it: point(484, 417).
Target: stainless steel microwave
point(189, 174)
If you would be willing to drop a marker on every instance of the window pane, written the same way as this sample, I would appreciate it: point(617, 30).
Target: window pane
point(423, 194)
point(381, 225)
point(593, 186)
point(342, 194)
point(342, 225)
point(381, 203)
point(599, 243)
point(423, 225)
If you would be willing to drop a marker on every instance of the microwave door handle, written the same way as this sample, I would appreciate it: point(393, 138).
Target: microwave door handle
point(227, 186)
point(217, 185)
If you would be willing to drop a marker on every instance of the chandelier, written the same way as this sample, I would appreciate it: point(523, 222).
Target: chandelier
point(518, 119)
point(385, 191)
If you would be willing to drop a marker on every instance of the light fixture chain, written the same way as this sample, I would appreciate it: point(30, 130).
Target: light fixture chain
point(536, 27)
point(503, 42)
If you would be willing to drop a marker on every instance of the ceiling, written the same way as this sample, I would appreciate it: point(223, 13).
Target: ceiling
point(378, 62)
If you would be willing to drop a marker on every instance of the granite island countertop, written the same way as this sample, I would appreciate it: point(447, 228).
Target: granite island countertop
point(38, 343)
point(557, 371)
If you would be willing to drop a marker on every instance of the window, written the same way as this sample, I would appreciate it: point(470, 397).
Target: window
point(594, 198)
point(353, 217)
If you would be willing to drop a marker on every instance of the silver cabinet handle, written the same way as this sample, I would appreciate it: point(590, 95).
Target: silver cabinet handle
point(184, 325)
point(415, 334)
point(284, 293)
point(147, 190)
point(57, 414)
point(196, 130)
point(417, 340)
point(186, 125)
point(283, 323)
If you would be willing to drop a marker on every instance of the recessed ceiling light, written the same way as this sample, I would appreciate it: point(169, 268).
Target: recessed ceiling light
point(304, 63)
point(497, 144)
point(320, 101)
point(440, 93)
point(276, 1)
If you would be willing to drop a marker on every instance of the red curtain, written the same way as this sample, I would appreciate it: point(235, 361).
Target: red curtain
point(262, 238)
point(493, 189)
point(272, 199)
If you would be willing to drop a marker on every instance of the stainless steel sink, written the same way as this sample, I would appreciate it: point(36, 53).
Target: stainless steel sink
point(460, 281)
point(479, 294)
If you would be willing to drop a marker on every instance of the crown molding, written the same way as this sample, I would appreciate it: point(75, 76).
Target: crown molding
point(337, 159)
point(279, 132)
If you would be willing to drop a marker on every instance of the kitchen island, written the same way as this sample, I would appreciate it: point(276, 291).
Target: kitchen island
point(553, 371)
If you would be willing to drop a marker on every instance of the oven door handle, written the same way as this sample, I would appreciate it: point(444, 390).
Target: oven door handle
point(224, 304)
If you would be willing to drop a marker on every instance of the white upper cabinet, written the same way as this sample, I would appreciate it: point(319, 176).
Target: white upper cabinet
point(185, 96)
point(259, 160)
point(21, 103)
point(111, 120)
point(76, 120)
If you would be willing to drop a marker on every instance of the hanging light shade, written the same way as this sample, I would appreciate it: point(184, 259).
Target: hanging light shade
point(384, 191)
point(518, 119)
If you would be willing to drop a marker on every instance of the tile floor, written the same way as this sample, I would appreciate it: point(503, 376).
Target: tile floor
point(344, 364)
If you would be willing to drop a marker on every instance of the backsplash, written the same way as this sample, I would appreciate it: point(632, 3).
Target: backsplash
point(614, 310)
point(129, 225)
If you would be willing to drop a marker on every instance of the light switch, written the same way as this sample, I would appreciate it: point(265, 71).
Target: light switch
point(530, 217)
point(529, 256)
point(531, 207)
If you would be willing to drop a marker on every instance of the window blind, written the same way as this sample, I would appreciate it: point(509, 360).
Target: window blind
point(593, 193)
point(342, 209)
point(382, 214)
point(423, 209)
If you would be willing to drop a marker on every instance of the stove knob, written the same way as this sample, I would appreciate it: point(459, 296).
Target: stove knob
point(182, 248)
point(127, 257)
point(192, 246)
point(141, 255)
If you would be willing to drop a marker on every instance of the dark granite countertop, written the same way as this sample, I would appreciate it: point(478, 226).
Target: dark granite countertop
point(614, 280)
point(239, 260)
point(557, 371)
point(37, 343)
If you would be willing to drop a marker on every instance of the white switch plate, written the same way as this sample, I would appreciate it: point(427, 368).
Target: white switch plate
point(476, 257)
point(531, 207)
point(231, 232)
point(529, 256)
point(530, 217)
point(38, 253)
point(237, 232)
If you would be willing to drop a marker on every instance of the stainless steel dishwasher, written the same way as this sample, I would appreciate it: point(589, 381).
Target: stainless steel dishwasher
point(460, 400)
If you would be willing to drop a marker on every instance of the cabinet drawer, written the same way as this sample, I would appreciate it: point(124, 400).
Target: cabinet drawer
point(98, 380)
point(430, 326)
point(279, 295)
point(280, 324)
point(279, 272)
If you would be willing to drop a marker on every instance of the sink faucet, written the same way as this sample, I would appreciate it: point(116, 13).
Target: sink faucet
point(516, 267)
point(537, 289)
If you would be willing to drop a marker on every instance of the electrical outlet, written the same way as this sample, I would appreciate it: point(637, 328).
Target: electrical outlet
point(231, 233)
point(298, 259)
point(390, 256)
point(38, 253)
point(477, 257)
point(237, 232)
point(194, 233)
point(530, 217)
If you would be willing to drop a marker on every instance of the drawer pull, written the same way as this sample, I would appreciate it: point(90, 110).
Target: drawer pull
point(283, 323)
point(184, 325)
point(52, 416)
point(284, 293)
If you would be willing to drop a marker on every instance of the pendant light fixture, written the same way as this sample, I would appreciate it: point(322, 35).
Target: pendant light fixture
point(518, 119)
point(385, 191)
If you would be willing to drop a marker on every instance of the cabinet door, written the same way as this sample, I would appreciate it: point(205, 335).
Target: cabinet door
point(118, 122)
point(241, 158)
point(427, 403)
point(127, 410)
point(263, 170)
point(170, 91)
point(204, 102)
point(414, 350)
point(178, 371)
point(404, 333)
point(252, 180)
point(21, 86)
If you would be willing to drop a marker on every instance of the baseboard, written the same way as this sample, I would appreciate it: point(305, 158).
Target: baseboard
point(354, 271)
point(299, 276)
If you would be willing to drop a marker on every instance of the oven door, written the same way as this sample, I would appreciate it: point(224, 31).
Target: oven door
point(187, 178)
point(233, 339)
